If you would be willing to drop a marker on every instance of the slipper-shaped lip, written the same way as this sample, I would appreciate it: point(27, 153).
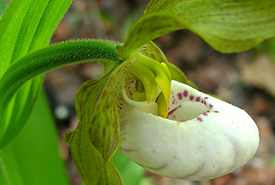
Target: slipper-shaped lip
point(202, 137)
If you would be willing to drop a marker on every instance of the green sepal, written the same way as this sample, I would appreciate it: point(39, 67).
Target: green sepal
point(146, 29)
point(176, 73)
point(152, 51)
point(227, 25)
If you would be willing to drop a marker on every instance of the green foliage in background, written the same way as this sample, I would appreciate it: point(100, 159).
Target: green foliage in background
point(25, 31)
point(25, 26)
point(34, 157)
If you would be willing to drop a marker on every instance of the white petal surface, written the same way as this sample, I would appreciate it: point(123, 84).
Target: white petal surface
point(202, 137)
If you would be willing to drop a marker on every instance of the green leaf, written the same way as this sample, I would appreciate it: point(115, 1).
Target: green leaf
point(25, 26)
point(227, 25)
point(33, 157)
point(130, 171)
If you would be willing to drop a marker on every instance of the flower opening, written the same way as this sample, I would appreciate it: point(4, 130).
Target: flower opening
point(201, 138)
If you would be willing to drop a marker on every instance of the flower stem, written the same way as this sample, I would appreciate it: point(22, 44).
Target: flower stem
point(52, 57)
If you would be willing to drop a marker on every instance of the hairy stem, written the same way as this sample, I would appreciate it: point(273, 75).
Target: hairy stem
point(52, 57)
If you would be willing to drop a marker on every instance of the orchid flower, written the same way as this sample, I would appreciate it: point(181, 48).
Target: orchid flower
point(201, 138)
point(142, 105)
point(163, 125)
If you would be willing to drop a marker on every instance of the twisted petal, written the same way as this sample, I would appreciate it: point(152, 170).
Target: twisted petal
point(201, 138)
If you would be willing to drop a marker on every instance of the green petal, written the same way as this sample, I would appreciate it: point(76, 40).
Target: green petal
point(97, 136)
point(152, 74)
point(86, 158)
point(176, 73)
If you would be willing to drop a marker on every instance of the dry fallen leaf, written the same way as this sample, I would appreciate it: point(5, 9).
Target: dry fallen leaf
point(260, 73)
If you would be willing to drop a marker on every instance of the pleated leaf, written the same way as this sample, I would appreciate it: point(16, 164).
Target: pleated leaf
point(26, 25)
point(34, 157)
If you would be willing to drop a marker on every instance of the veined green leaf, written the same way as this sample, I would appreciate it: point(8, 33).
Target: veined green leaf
point(25, 26)
point(227, 25)
point(28, 25)
point(33, 157)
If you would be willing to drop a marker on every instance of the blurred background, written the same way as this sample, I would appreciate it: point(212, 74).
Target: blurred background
point(244, 79)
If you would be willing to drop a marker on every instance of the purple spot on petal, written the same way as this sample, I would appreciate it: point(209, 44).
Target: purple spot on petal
point(205, 114)
point(185, 93)
point(204, 102)
point(199, 119)
point(205, 97)
point(191, 97)
point(174, 116)
point(172, 111)
point(210, 106)
point(208, 111)
point(179, 96)
point(198, 99)
point(216, 111)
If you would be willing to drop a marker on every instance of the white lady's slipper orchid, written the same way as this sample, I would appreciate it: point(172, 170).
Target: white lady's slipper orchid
point(201, 138)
